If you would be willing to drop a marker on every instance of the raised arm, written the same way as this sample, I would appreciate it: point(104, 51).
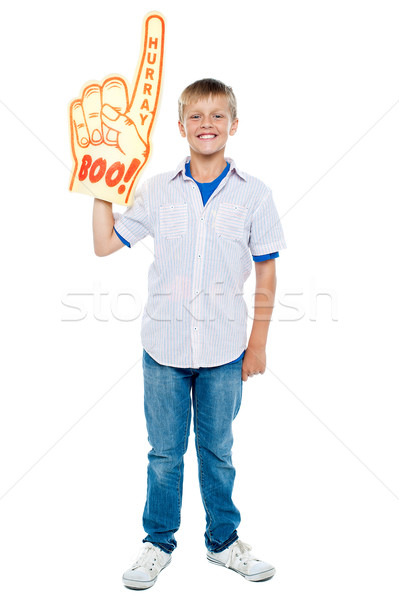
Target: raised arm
point(104, 237)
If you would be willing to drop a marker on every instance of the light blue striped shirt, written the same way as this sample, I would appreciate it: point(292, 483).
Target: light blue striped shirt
point(195, 314)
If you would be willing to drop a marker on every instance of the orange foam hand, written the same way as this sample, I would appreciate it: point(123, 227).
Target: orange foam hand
point(110, 125)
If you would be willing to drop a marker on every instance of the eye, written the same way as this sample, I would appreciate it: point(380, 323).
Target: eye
point(218, 116)
point(194, 117)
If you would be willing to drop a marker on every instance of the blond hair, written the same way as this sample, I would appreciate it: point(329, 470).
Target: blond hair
point(204, 88)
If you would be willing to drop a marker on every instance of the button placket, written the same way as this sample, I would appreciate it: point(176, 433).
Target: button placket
point(197, 280)
point(200, 254)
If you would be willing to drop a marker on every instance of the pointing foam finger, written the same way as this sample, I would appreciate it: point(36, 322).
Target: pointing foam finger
point(147, 86)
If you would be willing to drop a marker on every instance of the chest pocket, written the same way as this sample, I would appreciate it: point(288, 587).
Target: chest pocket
point(173, 220)
point(230, 220)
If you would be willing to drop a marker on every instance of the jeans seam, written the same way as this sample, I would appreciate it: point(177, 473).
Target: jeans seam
point(182, 460)
point(197, 443)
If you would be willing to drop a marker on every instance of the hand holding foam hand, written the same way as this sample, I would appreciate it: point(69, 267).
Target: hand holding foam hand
point(111, 127)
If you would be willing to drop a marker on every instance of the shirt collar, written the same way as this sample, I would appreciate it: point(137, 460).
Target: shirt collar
point(181, 169)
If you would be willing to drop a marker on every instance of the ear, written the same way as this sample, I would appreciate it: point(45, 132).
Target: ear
point(181, 129)
point(233, 127)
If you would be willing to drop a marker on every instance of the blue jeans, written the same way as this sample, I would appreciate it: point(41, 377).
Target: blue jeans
point(216, 399)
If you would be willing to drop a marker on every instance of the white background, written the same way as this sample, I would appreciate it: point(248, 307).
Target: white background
point(316, 441)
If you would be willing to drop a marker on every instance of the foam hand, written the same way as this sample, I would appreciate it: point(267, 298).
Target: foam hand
point(110, 124)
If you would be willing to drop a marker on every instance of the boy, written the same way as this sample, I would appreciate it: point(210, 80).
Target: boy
point(206, 218)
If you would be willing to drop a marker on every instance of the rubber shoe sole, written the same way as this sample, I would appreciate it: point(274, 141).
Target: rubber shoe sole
point(132, 584)
point(263, 576)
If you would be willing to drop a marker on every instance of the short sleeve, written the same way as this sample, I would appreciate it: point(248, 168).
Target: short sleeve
point(266, 233)
point(134, 224)
point(264, 257)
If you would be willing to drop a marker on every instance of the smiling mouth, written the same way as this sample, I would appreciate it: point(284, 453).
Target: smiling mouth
point(207, 136)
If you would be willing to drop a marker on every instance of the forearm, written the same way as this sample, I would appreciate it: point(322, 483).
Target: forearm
point(104, 238)
point(263, 307)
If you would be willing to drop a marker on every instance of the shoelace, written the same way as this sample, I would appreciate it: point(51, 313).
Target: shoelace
point(147, 558)
point(241, 551)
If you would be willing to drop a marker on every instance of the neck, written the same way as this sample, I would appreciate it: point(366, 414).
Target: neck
point(205, 169)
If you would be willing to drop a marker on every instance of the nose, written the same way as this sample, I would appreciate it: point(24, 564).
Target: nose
point(206, 122)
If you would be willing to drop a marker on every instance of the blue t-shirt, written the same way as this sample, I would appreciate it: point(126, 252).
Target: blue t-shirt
point(207, 189)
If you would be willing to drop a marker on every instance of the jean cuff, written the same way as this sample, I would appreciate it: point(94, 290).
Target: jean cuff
point(220, 547)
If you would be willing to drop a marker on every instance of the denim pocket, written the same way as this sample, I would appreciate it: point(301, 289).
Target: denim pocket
point(230, 220)
point(173, 220)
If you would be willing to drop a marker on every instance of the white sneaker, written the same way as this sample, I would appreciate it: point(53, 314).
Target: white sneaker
point(144, 572)
point(238, 558)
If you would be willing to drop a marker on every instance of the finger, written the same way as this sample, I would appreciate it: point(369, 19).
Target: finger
point(148, 78)
point(79, 125)
point(114, 94)
point(91, 102)
point(114, 121)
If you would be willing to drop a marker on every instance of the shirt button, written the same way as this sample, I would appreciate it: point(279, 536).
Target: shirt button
point(199, 255)
point(202, 218)
point(197, 292)
point(195, 329)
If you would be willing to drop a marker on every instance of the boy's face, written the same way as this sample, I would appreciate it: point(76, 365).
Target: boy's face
point(207, 125)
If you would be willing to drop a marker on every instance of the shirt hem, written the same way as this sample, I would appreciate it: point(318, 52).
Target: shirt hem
point(167, 364)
